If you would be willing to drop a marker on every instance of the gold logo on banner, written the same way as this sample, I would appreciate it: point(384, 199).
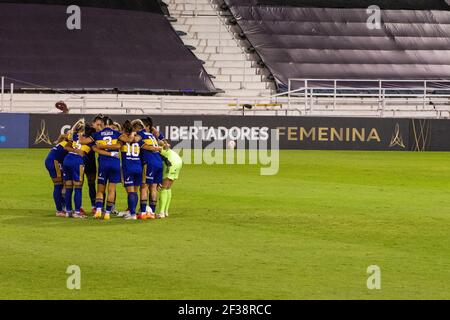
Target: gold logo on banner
point(42, 135)
point(421, 134)
point(397, 139)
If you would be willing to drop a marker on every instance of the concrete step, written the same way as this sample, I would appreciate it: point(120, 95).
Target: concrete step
point(239, 78)
point(209, 42)
point(191, 7)
point(222, 56)
point(245, 93)
point(184, 13)
point(212, 36)
point(229, 64)
point(236, 85)
point(217, 49)
point(238, 71)
point(199, 20)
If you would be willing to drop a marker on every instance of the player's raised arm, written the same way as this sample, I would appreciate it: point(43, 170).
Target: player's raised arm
point(61, 138)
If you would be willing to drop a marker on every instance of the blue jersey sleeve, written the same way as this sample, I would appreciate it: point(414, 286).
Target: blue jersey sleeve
point(96, 136)
point(141, 134)
point(161, 136)
point(117, 135)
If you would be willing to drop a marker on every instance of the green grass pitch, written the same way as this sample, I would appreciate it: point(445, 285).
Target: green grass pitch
point(309, 232)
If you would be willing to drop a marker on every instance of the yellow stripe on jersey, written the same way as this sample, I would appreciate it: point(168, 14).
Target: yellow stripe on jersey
point(85, 148)
point(151, 142)
point(57, 169)
point(144, 174)
point(107, 142)
point(82, 147)
point(131, 149)
point(81, 173)
point(63, 143)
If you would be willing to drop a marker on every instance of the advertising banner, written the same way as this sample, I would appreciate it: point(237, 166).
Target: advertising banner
point(14, 130)
point(293, 133)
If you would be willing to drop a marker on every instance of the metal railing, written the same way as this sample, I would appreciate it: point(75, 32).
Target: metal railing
point(314, 97)
point(386, 95)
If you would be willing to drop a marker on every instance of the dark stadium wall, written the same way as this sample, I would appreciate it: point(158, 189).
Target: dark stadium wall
point(294, 133)
point(112, 51)
point(332, 39)
point(136, 5)
point(383, 4)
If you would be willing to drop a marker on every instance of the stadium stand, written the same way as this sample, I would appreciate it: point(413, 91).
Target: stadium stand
point(124, 46)
point(246, 45)
point(207, 31)
point(325, 39)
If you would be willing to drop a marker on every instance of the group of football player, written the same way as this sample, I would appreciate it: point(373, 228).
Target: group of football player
point(108, 153)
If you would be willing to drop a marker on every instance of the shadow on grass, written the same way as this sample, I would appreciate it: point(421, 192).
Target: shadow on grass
point(44, 219)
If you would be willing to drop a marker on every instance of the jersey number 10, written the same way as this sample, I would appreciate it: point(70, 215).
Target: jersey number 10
point(133, 149)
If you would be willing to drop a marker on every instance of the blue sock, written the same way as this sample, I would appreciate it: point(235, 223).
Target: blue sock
point(63, 199)
point(92, 194)
point(132, 202)
point(153, 206)
point(68, 199)
point(57, 196)
point(143, 206)
point(99, 204)
point(109, 206)
point(77, 199)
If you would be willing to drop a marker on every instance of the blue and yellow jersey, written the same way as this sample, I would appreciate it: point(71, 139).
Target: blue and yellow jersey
point(58, 152)
point(78, 146)
point(106, 137)
point(131, 156)
point(150, 157)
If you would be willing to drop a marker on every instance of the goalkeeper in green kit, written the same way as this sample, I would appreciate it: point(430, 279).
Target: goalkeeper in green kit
point(172, 165)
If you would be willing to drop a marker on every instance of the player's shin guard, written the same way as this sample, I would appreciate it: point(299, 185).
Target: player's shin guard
point(92, 194)
point(57, 197)
point(132, 202)
point(68, 199)
point(78, 199)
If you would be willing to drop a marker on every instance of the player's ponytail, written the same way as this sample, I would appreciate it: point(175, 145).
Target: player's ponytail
point(108, 121)
point(117, 126)
point(78, 125)
point(127, 127)
point(138, 125)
